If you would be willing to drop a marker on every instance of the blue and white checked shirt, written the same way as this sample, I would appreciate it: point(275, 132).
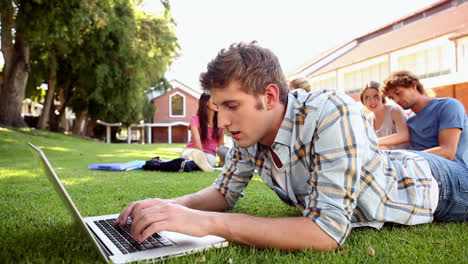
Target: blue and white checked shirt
point(333, 169)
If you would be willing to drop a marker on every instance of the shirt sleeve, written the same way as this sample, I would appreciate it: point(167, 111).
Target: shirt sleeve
point(237, 173)
point(337, 157)
point(195, 121)
point(452, 115)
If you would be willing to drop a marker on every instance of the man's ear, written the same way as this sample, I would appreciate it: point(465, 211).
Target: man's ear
point(414, 86)
point(271, 96)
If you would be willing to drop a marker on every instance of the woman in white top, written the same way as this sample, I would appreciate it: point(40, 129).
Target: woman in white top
point(389, 121)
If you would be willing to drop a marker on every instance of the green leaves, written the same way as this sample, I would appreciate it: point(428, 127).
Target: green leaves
point(108, 53)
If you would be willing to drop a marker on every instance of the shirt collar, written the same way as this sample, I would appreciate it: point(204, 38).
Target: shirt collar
point(285, 132)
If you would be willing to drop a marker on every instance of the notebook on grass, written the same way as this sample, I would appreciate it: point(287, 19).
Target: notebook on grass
point(114, 243)
point(126, 166)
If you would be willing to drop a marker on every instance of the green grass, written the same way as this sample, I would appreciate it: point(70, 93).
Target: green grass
point(36, 228)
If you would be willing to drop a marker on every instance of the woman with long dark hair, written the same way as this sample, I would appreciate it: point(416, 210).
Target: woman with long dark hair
point(200, 152)
point(206, 136)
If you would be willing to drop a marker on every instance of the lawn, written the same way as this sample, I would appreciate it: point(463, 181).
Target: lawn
point(36, 228)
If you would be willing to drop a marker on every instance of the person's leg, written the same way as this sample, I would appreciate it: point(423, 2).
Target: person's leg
point(200, 159)
point(222, 151)
point(211, 159)
point(175, 165)
point(452, 179)
point(187, 153)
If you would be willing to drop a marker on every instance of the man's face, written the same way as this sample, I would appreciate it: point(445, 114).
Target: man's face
point(242, 114)
point(405, 97)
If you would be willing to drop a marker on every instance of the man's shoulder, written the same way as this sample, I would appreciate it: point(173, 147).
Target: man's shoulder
point(448, 105)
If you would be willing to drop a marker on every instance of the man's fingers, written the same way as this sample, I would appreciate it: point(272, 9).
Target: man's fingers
point(133, 209)
point(122, 219)
point(152, 218)
point(136, 217)
point(151, 229)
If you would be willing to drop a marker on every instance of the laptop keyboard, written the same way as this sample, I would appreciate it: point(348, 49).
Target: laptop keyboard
point(122, 238)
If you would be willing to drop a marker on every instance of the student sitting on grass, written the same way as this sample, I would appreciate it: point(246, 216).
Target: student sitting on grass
point(438, 126)
point(388, 121)
point(200, 152)
point(316, 151)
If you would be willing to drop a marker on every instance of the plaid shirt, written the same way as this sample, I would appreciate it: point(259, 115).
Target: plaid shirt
point(333, 169)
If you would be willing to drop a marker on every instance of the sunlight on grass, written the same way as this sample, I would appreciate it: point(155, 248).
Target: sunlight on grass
point(168, 153)
point(119, 155)
point(172, 149)
point(7, 173)
point(74, 181)
point(58, 149)
point(9, 140)
point(25, 129)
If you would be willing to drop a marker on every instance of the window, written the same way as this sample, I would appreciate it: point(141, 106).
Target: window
point(355, 80)
point(328, 83)
point(462, 54)
point(434, 61)
point(177, 106)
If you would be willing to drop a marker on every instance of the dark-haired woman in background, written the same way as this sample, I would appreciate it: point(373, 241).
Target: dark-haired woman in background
point(206, 136)
point(200, 152)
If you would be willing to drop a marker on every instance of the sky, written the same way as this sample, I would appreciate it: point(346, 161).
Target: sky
point(295, 30)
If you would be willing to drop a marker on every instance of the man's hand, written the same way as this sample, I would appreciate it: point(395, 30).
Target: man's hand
point(168, 216)
point(133, 207)
point(153, 215)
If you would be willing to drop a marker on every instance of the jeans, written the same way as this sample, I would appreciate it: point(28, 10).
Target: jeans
point(177, 165)
point(452, 178)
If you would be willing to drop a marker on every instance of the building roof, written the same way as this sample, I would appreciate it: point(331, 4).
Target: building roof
point(175, 84)
point(439, 19)
point(194, 92)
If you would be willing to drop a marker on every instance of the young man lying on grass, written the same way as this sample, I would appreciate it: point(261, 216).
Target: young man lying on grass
point(316, 151)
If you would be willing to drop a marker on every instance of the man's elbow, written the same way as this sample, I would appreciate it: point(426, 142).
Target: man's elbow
point(450, 153)
point(327, 246)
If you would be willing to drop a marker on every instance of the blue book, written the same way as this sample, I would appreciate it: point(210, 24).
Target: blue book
point(126, 166)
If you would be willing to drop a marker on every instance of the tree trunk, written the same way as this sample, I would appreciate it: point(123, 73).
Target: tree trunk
point(77, 125)
point(49, 101)
point(15, 70)
point(15, 74)
point(90, 128)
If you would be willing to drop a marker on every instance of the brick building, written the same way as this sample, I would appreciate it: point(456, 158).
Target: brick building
point(432, 43)
point(173, 112)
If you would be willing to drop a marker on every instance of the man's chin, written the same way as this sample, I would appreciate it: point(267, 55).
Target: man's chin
point(244, 144)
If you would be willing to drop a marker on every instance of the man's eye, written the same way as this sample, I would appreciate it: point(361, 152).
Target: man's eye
point(233, 107)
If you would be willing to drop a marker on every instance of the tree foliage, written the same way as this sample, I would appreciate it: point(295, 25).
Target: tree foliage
point(102, 55)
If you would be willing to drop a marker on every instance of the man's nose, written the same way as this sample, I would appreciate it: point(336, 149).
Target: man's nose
point(223, 119)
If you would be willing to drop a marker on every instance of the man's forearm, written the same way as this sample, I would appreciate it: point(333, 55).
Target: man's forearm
point(394, 139)
point(287, 233)
point(440, 151)
point(207, 199)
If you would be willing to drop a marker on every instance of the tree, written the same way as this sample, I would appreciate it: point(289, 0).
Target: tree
point(15, 50)
point(56, 26)
point(97, 57)
point(130, 53)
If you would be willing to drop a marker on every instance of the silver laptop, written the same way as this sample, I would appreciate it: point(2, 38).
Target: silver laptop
point(115, 243)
